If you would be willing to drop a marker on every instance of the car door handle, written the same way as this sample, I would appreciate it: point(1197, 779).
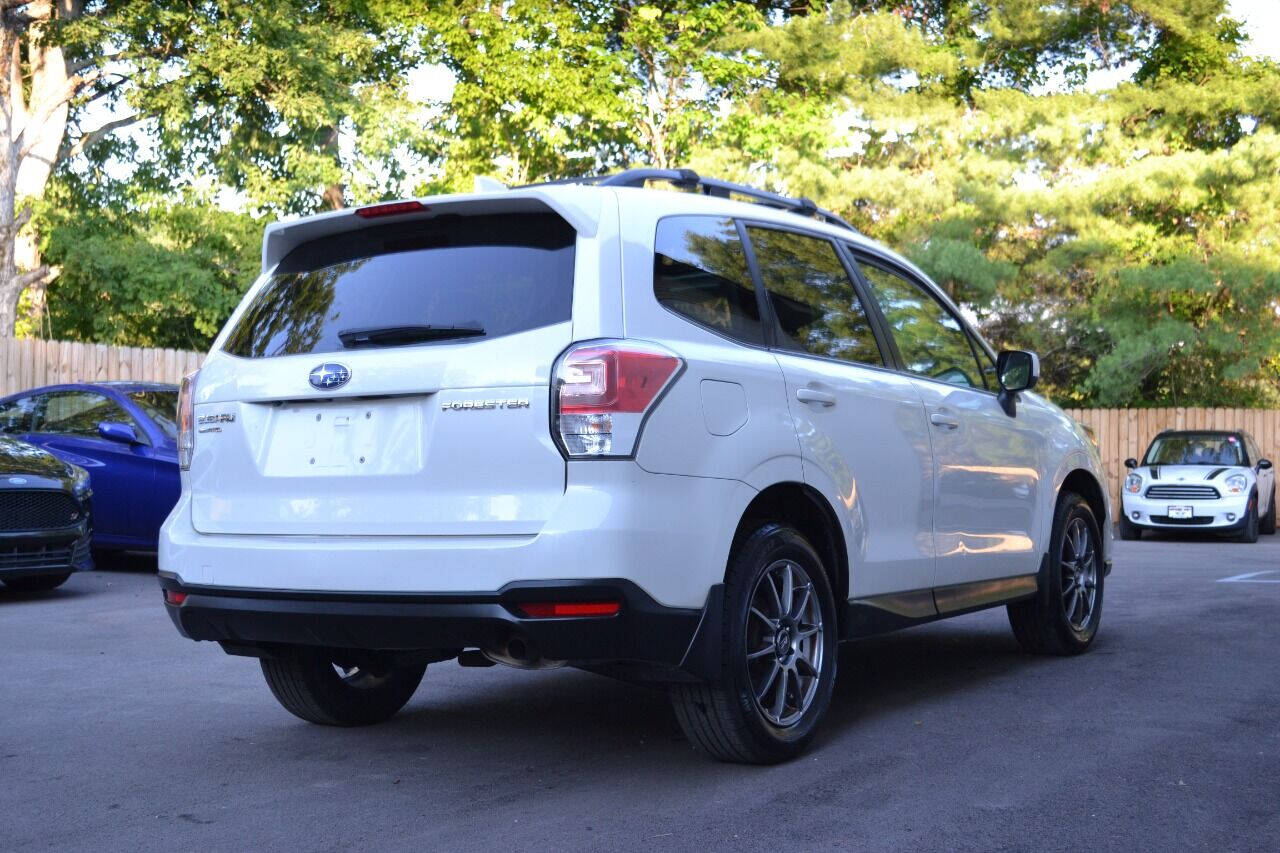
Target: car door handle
point(813, 395)
point(945, 421)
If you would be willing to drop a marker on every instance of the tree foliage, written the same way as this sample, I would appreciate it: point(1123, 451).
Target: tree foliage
point(1092, 179)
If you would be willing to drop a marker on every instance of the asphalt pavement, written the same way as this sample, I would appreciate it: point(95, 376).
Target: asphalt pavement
point(117, 734)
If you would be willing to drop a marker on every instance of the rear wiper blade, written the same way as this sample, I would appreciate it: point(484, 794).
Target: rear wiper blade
point(392, 335)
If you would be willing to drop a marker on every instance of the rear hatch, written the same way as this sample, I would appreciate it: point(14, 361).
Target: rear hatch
point(391, 380)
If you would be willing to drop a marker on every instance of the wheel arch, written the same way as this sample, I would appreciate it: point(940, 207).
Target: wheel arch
point(1083, 483)
point(805, 508)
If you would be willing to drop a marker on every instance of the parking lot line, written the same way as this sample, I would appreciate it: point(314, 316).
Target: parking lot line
point(1252, 577)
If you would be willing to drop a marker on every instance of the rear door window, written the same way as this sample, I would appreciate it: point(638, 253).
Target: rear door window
point(161, 407)
point(447, 279)
point(700, 272)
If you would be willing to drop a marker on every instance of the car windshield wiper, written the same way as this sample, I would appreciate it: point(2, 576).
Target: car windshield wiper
point(395, 335)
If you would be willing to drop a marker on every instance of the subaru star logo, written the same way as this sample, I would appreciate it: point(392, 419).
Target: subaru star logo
point(326, 377)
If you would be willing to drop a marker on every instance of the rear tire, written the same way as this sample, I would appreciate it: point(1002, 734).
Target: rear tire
point(1063, 617)
point(778, 655)
point(307, 682)
point(1268, 523)
point(37, 583)
point(1129, 531)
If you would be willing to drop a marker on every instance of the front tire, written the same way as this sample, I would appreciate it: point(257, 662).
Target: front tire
point(1268, 523)
point(327, 688)
point(1063, 617)
point(1129, 531)
point(37, 583)
point(778, 654)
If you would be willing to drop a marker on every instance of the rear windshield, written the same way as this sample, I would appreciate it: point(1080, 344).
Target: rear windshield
point(441, 280)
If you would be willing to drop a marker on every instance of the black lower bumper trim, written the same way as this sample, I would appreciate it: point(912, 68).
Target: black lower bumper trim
point(36, 553)
point(643, 631)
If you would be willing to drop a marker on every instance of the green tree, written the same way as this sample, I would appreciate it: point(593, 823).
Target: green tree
point(253, 95)
point(155, 272)
point(1126, 234)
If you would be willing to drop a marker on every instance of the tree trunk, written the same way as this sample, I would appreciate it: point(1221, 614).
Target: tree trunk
point(33, 123)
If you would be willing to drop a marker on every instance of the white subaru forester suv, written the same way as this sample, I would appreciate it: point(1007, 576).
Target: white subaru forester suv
point(693, 439)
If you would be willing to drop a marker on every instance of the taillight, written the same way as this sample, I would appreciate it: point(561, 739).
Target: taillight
point(187, 420)
point(603, 390)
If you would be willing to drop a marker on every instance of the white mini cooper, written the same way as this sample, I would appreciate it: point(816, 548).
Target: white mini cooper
point(1200, 480)
point(694, 439)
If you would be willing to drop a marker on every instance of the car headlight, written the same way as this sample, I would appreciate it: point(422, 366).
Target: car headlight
point(1237, 483)
point(1133, 483)
point(79, 479)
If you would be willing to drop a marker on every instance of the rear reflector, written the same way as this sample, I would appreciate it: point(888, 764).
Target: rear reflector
point(174, 598)
point(553, 609)
point(391, 208)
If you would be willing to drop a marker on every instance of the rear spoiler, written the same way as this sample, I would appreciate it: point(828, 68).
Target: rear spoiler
point(579, 206)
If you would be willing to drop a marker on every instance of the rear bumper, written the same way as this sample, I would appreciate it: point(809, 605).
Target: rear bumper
point(254, 621)
point(45, 552)
point(668, 534)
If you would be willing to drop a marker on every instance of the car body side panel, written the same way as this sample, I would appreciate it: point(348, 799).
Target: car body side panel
point(991, 471)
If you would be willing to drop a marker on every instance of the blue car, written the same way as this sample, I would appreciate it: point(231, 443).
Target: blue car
point(124, 434)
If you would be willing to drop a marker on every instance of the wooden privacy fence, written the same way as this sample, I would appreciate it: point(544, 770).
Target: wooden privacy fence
point(1125, 433)
point(29, 363)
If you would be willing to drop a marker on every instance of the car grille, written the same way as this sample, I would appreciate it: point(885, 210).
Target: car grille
point(1185, 493)
point(57, 556)
point(1198, 519)
point(36, 509)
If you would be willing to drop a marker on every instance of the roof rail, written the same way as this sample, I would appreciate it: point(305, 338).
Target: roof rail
point(691, 180)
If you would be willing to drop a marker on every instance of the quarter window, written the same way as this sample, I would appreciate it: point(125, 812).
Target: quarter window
point(930, 339)
point(816, 307)
point(700, 272)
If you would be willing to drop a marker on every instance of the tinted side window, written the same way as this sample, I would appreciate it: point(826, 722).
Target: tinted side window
point(700, 272)
point(17, 415)
point(817, 308)
point(1251, 447)
point(931, 341)
point(988, 366)
point(79, 413)
point(161, 407)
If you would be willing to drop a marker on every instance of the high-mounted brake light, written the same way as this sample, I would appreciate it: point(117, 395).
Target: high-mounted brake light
point(187, 420)
point(561, 609)
point(603, 391)
point(390, 208)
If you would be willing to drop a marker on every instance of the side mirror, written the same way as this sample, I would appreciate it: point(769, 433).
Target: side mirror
point(1018, 370)
point(1131, 463)
point(1264, 464)
point(123, 433)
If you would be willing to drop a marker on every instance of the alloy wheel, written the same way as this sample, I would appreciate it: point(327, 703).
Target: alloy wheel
point(785, 643)
point(1079, 568)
